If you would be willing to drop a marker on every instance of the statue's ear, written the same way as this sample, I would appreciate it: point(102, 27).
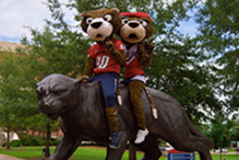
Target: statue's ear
point(78, 81)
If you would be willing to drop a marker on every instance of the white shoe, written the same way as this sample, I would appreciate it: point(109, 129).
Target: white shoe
point(140, 137)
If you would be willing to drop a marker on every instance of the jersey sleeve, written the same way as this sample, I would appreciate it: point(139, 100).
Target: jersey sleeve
point(119, 45)
point(91, 52)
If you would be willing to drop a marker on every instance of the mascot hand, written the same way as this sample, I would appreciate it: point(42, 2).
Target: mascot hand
point(149, 46)
point(108, 44)
point(141, 49)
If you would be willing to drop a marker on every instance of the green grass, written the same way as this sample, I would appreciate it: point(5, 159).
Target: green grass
point(25, 152)
point(86, 153)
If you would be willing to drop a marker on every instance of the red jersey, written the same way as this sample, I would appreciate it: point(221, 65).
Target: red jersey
point(104, 62)
point(133, 67)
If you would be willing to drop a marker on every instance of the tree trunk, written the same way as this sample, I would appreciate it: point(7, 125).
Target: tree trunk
point(48, 136)
point(132, 152)
point(220, 153)
point(8, 138)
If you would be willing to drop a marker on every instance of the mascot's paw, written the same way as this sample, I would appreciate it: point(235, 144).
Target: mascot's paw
point(108, 44)
point(141, 49)
point(145, 47)
point(149, 45)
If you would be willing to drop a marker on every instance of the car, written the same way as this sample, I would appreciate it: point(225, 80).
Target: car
point(220, 150)
point(162, 148)
point(237, 149)
point(166, 148)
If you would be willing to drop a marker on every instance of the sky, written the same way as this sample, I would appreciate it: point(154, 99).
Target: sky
point(17, 14)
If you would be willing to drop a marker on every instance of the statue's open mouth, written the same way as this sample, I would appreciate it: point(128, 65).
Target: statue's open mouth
point(54, 116)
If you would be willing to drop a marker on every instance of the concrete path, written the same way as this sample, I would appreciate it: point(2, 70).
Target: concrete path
point(4, 157)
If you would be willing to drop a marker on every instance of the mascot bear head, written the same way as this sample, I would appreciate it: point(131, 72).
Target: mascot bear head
point(100, 24)
point(135, 27)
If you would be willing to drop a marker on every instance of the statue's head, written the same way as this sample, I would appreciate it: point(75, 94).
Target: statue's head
point(57, 94)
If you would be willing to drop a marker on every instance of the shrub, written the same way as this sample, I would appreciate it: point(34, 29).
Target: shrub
point(37, 141)
point(15, 143)
point(53, 141)
point(26, 142)
point(4, 144)
point(31, 141)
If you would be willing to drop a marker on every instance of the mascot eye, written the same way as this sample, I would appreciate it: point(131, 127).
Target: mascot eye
point(107, 17)
point(125, 21)
point(88, 20)
point(143, 23)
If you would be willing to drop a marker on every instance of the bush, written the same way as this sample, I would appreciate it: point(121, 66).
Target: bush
point(26, 142)
point(53, 141)
point(31, 141)
point(15, 143)
point(4, 144)
point(37, 141)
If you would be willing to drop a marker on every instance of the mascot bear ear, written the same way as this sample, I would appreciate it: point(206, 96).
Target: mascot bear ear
point(116, 10)
point(151, 20)
point(82, 14)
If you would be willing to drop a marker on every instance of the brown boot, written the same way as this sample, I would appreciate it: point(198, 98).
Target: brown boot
point(112, 116)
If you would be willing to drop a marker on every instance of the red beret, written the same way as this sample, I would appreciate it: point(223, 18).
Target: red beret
point(136, 14)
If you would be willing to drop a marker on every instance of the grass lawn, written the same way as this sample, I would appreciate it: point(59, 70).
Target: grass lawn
point(85, 153)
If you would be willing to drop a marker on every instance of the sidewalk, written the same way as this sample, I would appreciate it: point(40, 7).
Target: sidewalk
point(4, 157)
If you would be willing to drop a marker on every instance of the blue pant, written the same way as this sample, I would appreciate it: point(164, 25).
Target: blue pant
point(108, 82)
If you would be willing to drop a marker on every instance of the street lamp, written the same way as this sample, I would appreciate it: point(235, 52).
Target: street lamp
point(43, 153)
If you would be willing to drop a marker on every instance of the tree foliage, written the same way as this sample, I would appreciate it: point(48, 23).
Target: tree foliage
point(219, 35)
point(221, 131)
point(15, 96)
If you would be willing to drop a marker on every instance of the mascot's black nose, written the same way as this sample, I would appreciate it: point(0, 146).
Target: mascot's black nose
point(133, 24)
point(96, 25)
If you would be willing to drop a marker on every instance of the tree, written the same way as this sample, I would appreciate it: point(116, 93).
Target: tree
point(236, 138)
point(221, 131)
point(56, 49)
point(14, 101)
point(219, 35)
